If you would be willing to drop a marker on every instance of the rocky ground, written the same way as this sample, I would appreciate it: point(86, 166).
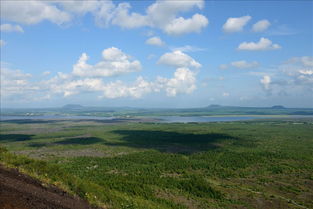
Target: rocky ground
point(19, 191)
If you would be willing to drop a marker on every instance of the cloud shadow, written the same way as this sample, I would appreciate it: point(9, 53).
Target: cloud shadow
point(171, 142)
point(15, 137)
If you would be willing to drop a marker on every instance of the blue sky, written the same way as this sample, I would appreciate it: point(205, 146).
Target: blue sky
point(156, 53)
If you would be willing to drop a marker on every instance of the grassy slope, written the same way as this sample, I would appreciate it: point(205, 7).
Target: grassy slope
point(265, 164)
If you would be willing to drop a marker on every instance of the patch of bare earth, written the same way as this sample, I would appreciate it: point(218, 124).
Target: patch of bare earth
point(19, 191)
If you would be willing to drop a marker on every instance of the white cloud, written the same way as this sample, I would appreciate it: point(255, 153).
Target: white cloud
point(163, 15)
point(299, 70)
point(235, 24)
point(80, 7)
point(2, 43)
point(156, 41)
point(305, 77)
point(68, 85)
point(179, 26)
point(226, 94)
point(32, 12)
point(119, 89)
point(266, 81)
point(115, 62)
point(260, 26)
point(15, 83)
point(126, 20)
point(86, 78)
point(178, 59)
point(104, 14)
point(292, 77)
point(242, 64)
point(11, 28)
point(306, 72)
point(263, 44)
point(183, 82)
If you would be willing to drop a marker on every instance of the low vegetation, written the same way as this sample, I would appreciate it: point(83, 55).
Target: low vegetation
point(256, 164)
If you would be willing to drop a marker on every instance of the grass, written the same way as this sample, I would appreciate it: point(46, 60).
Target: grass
point(256, 164)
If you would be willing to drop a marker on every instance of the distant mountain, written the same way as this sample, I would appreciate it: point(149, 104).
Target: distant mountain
point(278, 107)
point(73, 106)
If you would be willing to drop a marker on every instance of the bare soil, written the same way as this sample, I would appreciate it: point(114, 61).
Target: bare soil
point(19, 191)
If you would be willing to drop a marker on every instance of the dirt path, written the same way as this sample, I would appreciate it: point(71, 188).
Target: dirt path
point(19, 191)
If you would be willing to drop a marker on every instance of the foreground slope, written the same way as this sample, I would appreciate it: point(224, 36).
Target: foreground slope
point(19, 191)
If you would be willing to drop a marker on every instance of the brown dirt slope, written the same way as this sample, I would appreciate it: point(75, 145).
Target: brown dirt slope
point(19, 191)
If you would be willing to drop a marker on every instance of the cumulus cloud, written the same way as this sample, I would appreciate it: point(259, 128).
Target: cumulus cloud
point(163, 15)
point(86, 78)
point(183, 82)
point(260, 26)
point(178, 59)
point(300, 70)
point(293, 76)
point(156, 41)
point(262, 45)
point(305, 77)
point(126, 20)
point(306, 72)
point(15, 83)
point(81, 7)
point(235, 24)
point(181, 25)
point(2, 43)
point(115, 62)
point(11, 28)
point(67, 85)
point(32, 12)
point(119, 89)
